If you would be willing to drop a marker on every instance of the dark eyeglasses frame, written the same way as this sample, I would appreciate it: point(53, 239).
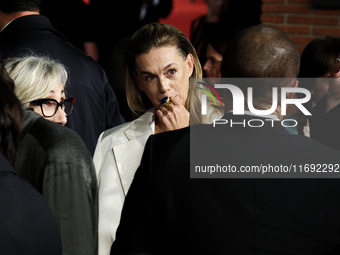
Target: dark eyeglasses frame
point(41, 101)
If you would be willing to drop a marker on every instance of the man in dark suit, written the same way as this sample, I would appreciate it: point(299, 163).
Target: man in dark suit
point(166, 212)
point(24, 31)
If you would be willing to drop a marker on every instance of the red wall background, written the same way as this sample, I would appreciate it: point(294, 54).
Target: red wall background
point(300, 20)
point(184, 12)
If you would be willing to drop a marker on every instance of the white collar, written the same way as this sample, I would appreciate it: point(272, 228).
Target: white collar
point(144, 124)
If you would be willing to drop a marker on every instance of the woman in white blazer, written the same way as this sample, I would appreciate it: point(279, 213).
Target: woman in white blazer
point(159, 63)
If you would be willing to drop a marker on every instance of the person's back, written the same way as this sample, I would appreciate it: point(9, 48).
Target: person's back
point(56, 162)
point(27, 225)
point(97, 107)
point(217, 216)
point(201, 212)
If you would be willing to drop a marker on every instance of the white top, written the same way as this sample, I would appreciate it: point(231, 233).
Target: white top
point(117, 156)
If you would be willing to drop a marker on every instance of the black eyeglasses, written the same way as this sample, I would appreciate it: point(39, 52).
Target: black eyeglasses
point(49, 106)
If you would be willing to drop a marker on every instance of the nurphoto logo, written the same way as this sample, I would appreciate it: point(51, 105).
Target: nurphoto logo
point(242, 103)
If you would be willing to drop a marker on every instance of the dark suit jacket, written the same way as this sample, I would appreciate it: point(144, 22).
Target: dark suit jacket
point(56, 162)
point(96, 107)
point(27, 225)
point(166, 212)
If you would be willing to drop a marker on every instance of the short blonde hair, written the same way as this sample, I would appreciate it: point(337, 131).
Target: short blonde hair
point(154, 35)
point(35, 76)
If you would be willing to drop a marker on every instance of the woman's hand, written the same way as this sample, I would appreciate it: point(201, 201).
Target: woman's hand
point(172, 117)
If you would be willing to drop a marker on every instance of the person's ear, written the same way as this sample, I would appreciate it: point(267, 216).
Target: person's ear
point(190, 63)
point(336, 74)
point(335, 69)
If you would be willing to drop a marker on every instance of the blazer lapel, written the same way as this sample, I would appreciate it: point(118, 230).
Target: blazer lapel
point(128, 154)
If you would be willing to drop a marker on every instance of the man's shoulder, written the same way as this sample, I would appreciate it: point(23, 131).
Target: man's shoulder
point(34, 34)
point(26, 23)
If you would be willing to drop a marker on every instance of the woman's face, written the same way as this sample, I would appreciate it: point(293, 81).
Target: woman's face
point(163, 72)
point(57, 93)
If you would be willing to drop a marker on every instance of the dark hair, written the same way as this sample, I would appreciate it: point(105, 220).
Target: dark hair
point(11, 116)
point(11, 6)
point(261, 51)
point(316, 60)
point(220, 35)
point(318, 56)
point(218, 45)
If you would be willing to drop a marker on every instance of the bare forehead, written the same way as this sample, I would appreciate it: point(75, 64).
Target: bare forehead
point(161, 51)
point(160, 57)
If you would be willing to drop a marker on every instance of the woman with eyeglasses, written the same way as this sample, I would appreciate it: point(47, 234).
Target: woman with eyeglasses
point(40, 84)
point(51, 157)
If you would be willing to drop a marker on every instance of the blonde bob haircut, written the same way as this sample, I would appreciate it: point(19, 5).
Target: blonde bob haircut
point(34, 76)
point(154, 35)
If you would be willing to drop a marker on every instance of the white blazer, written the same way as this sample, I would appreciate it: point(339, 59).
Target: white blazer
point(117, 156)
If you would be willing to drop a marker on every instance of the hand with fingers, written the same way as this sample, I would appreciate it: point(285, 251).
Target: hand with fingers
point(171, 115)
